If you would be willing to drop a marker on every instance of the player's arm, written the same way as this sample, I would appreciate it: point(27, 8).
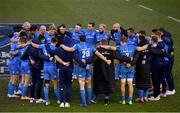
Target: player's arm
point(102, 57)
point(35, 45)
point(108, 47)
point(61, 61)
point(14, 53)
point(142, 48)
point(14, 39)
point(66, 48)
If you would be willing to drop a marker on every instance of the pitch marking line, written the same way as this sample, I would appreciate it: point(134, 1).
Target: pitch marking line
point(144, 7)
point(172, 18)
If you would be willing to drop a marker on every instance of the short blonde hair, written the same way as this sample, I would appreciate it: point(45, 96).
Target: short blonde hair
point(103, 25)
point(117, 25)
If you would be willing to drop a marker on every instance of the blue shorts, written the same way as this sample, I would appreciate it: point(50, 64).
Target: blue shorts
point(83, 73)
point(50, 73)
point(117, 72)
point(25, 68)
point(14, 68)
point(76, 70)
point(127, 73)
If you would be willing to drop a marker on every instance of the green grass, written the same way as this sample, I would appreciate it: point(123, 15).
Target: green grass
point(71, 12)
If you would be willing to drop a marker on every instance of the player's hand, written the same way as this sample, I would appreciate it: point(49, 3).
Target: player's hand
point(87, 67)
point(32, 61)
point(131, 58)
point(61, 45)
point(66, 63)
point(98, 46)
point(172, 53)
point(143, 62)
point(154, 45)
point(128, 65)
point(108, 62)
point(51, 58)
point(83, 61)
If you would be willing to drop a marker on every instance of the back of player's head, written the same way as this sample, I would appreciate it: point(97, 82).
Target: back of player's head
point(23, 34)
point(104, 42)
point(123, 39)
point(82, 38)
point(33, 28)
point(142, 32)
point(17, 28)
point(54, 40)
point(23, 39)
point(154, 30)
point(161, 29)
point(142, 40)
point(92, 23)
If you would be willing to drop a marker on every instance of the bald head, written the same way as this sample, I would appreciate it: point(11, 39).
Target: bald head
point(26, 26)
point(42, 29)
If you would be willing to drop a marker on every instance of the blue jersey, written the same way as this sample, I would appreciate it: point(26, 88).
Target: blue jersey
point(90, 36)
point(46, 35)
point(99, 36)
point(116, 36)
point(46, 52)
point(75, 36)
point(132, 40)
point(84, 50)
point(13, 47)
point(49, 38)
point(21, 52)
point(127, 50)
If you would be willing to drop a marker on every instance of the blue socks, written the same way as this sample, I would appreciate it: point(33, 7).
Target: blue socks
point(146, 92)
point(89, 93)
point(129, 99)
point(24, 90)
point(141, 93)
point(46, 94)
point(83, 97)
point(56, 93)
point(9, 87)
point(122, 98)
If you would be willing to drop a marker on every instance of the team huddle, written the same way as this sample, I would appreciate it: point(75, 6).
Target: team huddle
point(41, 56)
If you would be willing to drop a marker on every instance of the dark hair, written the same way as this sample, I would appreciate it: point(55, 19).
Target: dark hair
point(142, 32)
point(17, 28)
point(33, 28)
point(58, 29)
point(82, 38)
point(154, 30)
point(92, 23)
point(54, 40)
point(23, 34)
point(62, 25)
point(123, 39)
point(23, 39)
point(79, 25)
point(142, 40)
point(162, 30)
point(130, 29)
point(41, 37)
